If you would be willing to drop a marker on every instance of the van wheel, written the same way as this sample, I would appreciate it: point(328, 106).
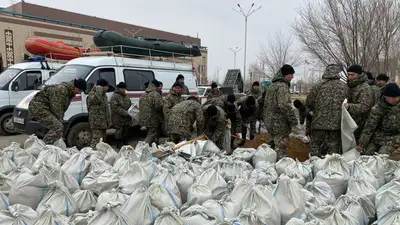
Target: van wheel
point(79, 135)
point(6, 124)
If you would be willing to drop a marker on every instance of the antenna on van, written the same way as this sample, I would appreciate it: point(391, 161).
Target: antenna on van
point(47, 66)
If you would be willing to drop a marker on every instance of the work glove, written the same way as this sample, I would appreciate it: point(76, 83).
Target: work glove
point(143, 128)
point(360, 148)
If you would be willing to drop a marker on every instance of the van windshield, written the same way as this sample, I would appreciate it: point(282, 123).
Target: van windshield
point(68, 73)
point(7, 75)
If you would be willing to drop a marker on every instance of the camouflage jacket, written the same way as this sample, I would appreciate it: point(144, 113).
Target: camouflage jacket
point(247, 115)
point(120, 103)
point(236, 119)
point(325, 100)
point(214, 127)
point(98, 109)
point(182, 117)
point(54, 98)
point(382, 126)
point(377, 92)
point(214, 93)
point(360, 100)
point(216, 101)
point(170, 101)
point(185, 90)
point(279, 115)
point(256, 93)
point(260, 101)
point(150, 107)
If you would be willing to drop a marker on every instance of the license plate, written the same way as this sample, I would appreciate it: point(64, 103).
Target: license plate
point(19, 120)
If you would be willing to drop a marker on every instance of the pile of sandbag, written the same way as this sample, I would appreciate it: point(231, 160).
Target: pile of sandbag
point(53, 184)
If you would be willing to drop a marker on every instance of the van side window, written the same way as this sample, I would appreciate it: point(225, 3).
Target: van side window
point(29, 80)
point(135, 79)
point(104, 73)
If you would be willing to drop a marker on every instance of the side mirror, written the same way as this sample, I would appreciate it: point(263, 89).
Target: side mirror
point(14, 86)
point(89, 87)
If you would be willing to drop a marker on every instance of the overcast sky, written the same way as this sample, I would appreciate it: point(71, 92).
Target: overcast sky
point(218, 26)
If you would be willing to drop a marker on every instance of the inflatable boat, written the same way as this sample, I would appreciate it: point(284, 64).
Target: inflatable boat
point(143, 46)
point(56, 50)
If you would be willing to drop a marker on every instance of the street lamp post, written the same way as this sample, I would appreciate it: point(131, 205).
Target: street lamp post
point(246, 16)
point(235, 50)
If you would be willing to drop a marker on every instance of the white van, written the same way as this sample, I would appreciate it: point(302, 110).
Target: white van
point(18, 81)
point(134, 72)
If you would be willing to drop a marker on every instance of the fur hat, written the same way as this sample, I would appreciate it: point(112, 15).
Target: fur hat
point(355, 69)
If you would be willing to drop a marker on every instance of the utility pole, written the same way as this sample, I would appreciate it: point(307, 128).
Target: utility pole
point(246, 16)
point(235, 50)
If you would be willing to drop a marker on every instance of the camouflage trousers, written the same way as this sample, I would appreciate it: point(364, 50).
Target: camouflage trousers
point(253, 130)
point(121, 133)
point(96, 136)
point(325, 142)
point(153, 134)
point(281, 143)
point(51, 123)
point(371, 149)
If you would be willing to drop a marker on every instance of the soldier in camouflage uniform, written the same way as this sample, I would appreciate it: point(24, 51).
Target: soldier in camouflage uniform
point(181, 79)
point(381, 81)
point(174, 97)
point(325, 101)
point(383, 124)
point(255, 90)
point(360, 98)
point(99, 112)
point(248, 109)
point(375, 89)
point(120, 104)
point(151, 111)
point(216, 101)
point(215, 124)
point(279, 116)
point(182, 117)
point(215, 92)
point(49, 105)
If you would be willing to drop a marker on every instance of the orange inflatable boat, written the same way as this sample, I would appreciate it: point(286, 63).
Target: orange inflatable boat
point(55, 50)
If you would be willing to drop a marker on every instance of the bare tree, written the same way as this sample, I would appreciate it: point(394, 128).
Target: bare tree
point(350, 31)
point(279, 50)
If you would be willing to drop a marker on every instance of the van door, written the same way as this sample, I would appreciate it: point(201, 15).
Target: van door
point(24, 84)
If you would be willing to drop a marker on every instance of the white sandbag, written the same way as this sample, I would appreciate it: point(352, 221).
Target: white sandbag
point(82, 218)
point(335, 180)
point(337, 163)
point(224, 208)
point(123, 165)
point(166, 178)
point(112, 214)
point(211, 178)
point(126, 151)
point(231, 168)
point(294, 176)
point(24, 158)
point(34, 145)
point(311, 203)
point(376, 165)
point(169, 216)
point(358, 187)
point(77, 166)
point(18, 215)
point(295, 221)
point(390, 168)
point(3, 201)
point(6, 183)
point(60, 143)
point(150, 167)
point(29, 189)
point(60, 200)
point(17, 172)
point(390, 218)
point(50, 217)
point(51, 155)
point(72, 151)
point(290, 200)
point(161, 197)
point(12, 150)
point(99, 181)
point(112, 195)
point(245, 154)
point(351, 155)
point(386, 197)
point(196, 169)
point(302, 169)
point(350, 205)
point(206, 147)
point(198, 215)
point(99, 165)
point(132, 178)
point(6, 164)
point(263, 165)
point(322, 191)
point(360, 171)
point(184, 179)
point(230, 222)
point(108, 151)
point(89, 182)
point(138, 208)
point(241, 188)
point(85, 200)
point(283, 163)
point(348, 126)
point(261, 177)
point(254, 217)
point(65, 179)
point(198, 194)
point(264, 153)
point(331, 215)
point(368, 207)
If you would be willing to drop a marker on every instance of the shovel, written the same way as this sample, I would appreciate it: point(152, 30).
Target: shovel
point(161, 154)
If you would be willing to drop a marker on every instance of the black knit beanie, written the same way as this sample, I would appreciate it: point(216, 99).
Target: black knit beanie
point(214, 85)
point(355, 69)
point(80, 83)
point(212, 110)
point(102, 82)
point(391, 90)
point(287, 69)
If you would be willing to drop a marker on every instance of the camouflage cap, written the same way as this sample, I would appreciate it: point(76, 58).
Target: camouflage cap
point(334, 68)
